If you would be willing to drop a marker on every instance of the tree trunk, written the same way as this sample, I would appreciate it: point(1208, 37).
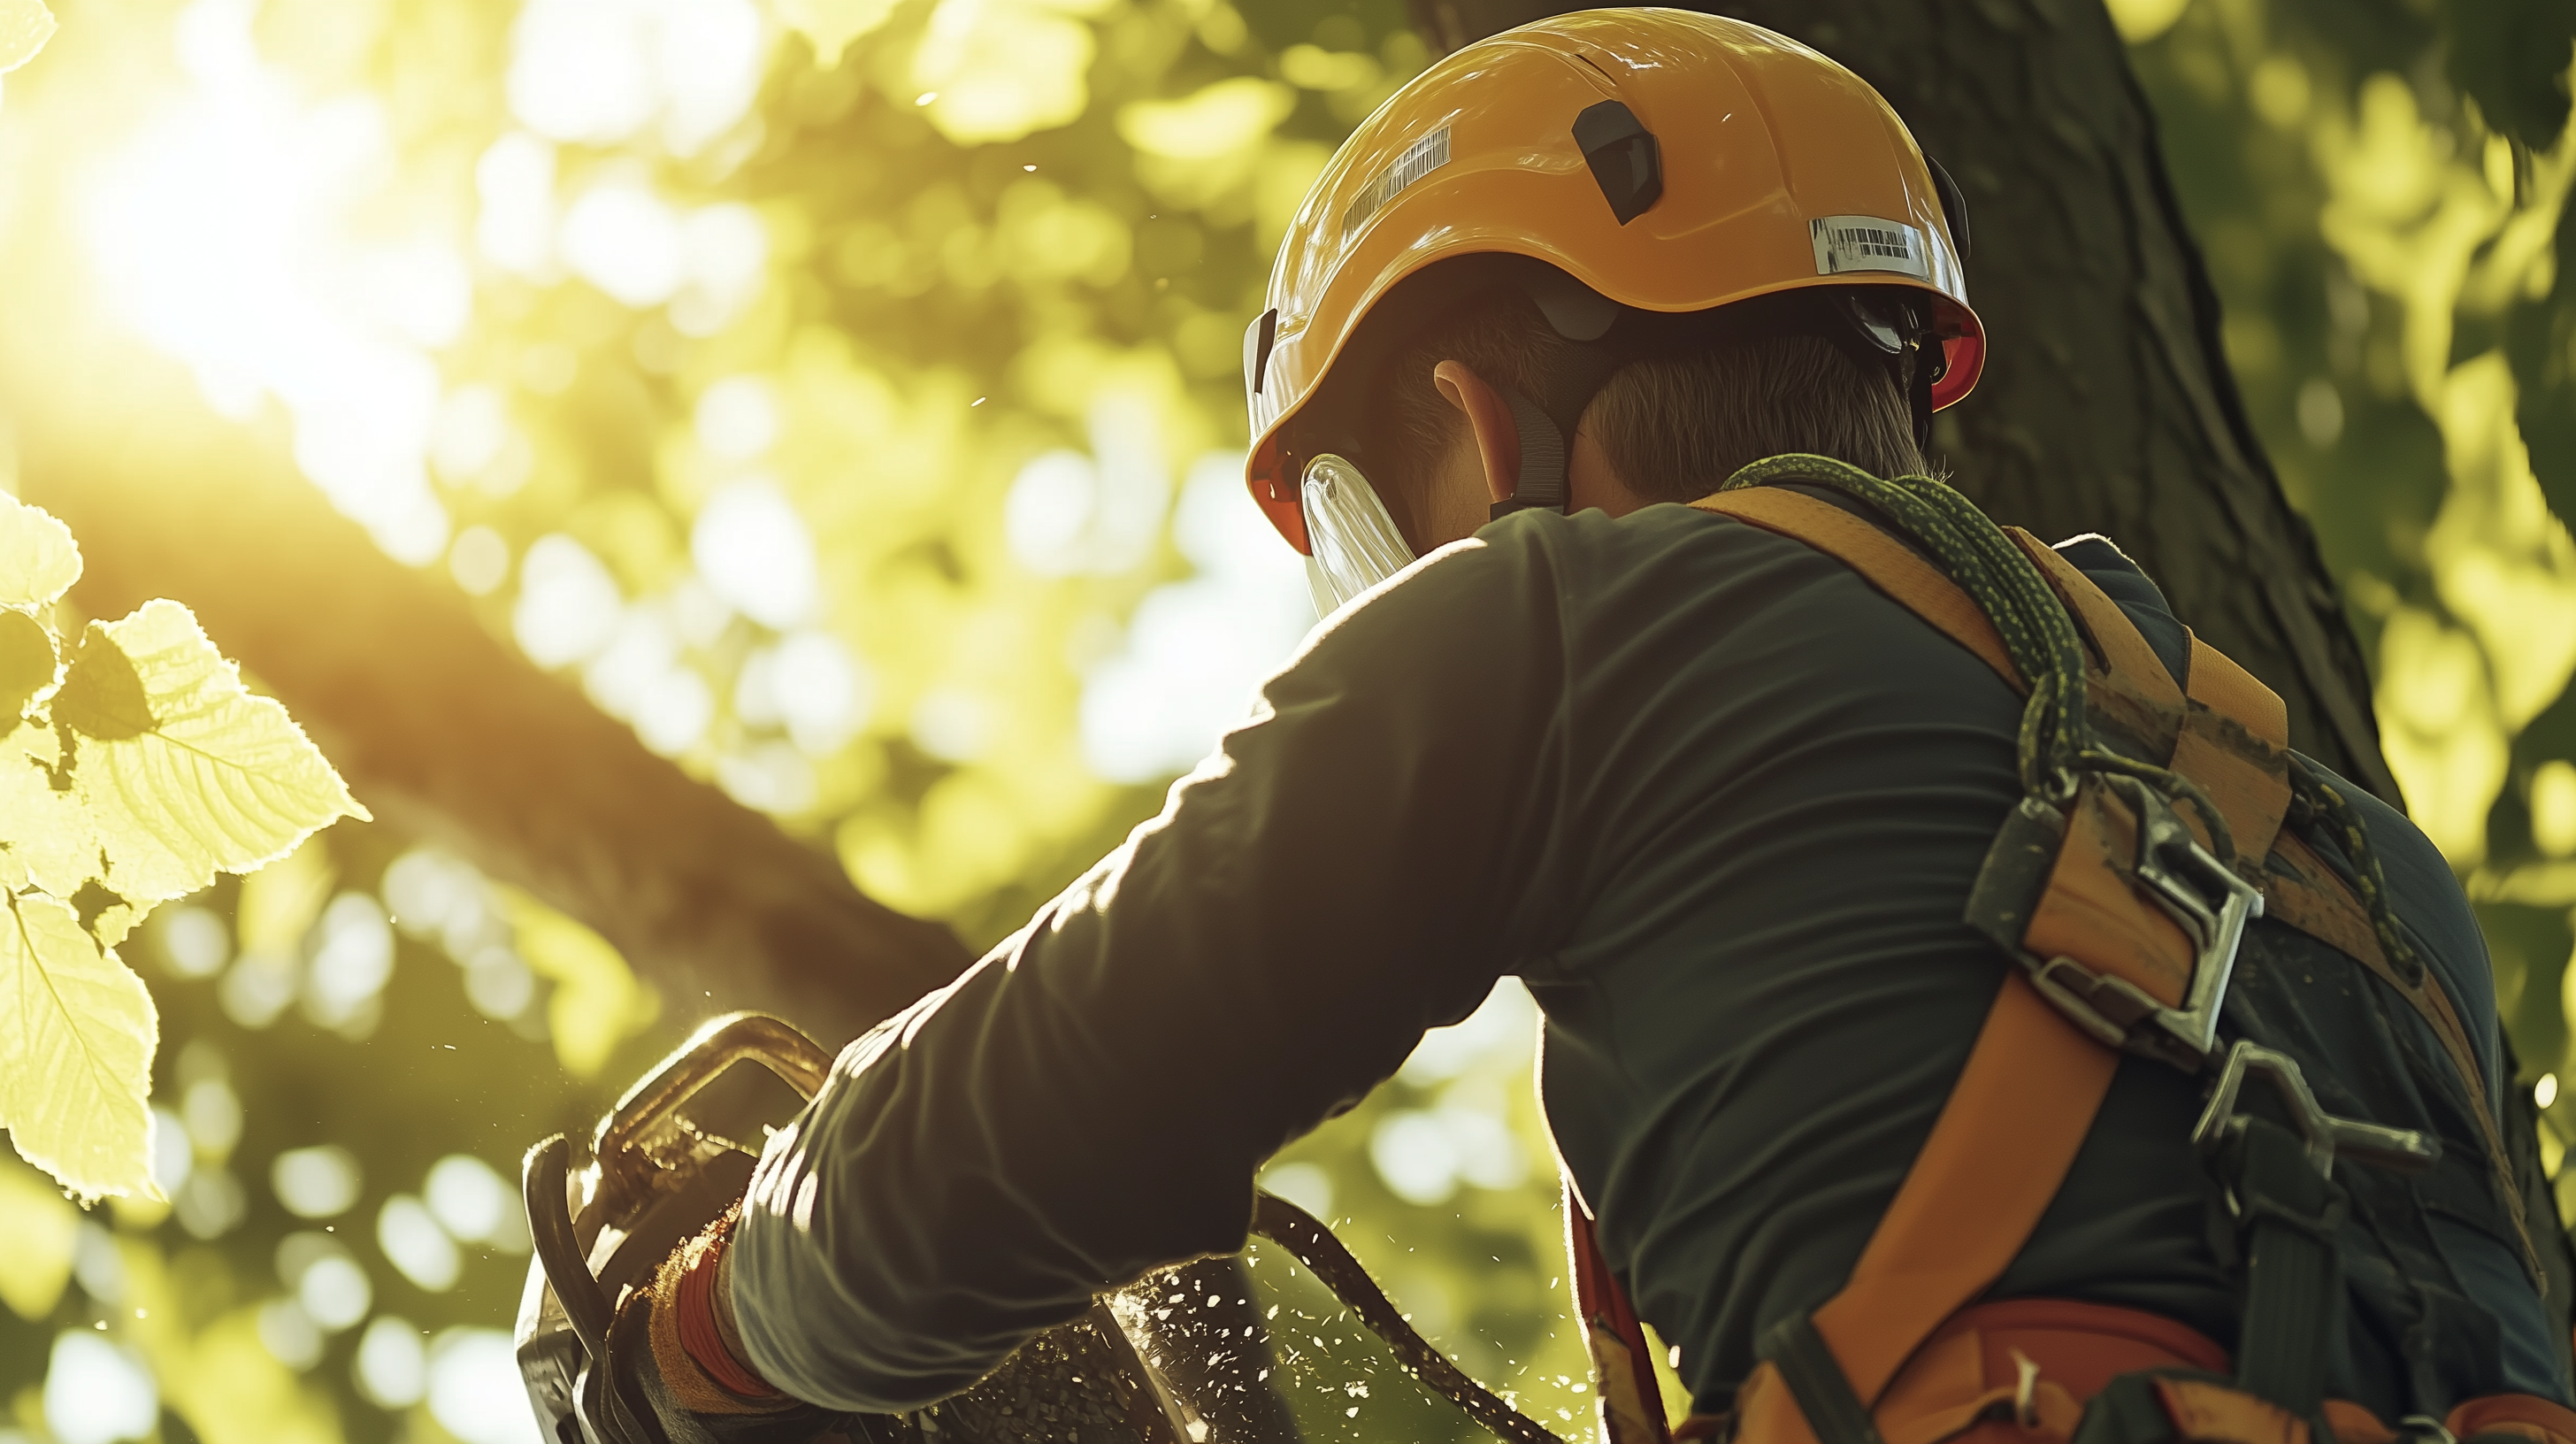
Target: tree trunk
point(2107, 404)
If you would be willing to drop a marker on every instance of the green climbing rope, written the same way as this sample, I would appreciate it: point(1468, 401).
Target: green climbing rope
point(2057, 742)
point(2318, 799)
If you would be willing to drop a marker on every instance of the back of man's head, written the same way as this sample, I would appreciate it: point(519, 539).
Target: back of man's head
point(1674, 423)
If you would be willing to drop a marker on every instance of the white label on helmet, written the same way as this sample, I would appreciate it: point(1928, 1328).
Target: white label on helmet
point(1419, 159)
point(1866, 243)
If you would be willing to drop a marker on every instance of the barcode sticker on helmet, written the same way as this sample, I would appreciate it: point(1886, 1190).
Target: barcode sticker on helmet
point(1419, 159)
point(1866, 243)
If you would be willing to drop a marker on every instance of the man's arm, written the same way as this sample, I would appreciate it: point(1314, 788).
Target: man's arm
point(1356, 864)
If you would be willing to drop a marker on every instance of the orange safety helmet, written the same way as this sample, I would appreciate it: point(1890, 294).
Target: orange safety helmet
point(1668, 161)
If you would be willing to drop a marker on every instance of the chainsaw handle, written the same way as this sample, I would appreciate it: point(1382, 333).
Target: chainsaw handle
point(542, 1187)
point(717, 1045)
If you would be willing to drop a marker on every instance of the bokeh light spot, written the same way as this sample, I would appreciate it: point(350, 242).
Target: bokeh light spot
point(194, 942)
point(96, 1392)
point(392, 1365)
point(474, 1388)
point(568, 604)
point(480, 561)
point(468, 1197)
point(414, 1244)
point(317, 1182)
point(755, 552)
point(624, 239)
point(737, 418)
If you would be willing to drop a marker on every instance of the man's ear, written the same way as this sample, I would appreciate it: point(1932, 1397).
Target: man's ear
point(1498, 438)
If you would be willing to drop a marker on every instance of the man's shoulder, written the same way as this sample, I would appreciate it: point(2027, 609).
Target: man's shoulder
point(1660, 534)
point(1673, 586)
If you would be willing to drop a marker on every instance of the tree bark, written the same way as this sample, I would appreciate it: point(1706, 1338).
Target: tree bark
point(2107, 403)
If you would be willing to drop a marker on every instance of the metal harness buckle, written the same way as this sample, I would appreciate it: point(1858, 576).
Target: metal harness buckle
point(2211, 905)
point(2400, 1150)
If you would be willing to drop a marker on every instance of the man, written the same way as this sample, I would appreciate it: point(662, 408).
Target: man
point(1721, 797)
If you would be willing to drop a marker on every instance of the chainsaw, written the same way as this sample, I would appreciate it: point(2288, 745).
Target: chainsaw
point(677, 1150)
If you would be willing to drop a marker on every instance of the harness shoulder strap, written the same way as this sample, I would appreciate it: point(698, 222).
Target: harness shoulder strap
point(2244, 767)
point(1884, 562)
point(2118, 648)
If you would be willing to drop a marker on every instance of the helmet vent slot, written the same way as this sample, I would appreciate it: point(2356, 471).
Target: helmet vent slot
point(1624, 157)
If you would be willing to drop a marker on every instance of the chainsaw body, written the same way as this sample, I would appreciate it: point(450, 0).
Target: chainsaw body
point(674, 1153)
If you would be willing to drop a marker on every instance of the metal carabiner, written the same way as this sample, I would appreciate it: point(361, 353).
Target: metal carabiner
point(2204, 897)
point(2400, 1150)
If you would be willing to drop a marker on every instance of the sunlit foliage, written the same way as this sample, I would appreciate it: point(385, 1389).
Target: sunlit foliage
point(133, 769)
point(844, 393)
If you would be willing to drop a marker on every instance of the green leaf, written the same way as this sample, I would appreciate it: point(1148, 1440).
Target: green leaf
point(25, 26)
point(78, 1030)
point(102, 695)
point(38, 561)
point(183, 773)
point(46, 836)
point(26, 663)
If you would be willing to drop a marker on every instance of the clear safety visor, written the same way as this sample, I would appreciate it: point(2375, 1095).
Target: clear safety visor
point(1352, 543)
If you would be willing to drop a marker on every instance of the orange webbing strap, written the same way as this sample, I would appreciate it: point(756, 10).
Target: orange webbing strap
point(2090, 912)
point(2535, 1419)
point(2234, 738)
point(1997, 1153)
point(2123, 652)
point(2236, 744)
point(1884, 562)
point(2207, 1412)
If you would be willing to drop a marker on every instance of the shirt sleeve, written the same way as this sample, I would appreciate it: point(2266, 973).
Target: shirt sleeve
point(1356, 863)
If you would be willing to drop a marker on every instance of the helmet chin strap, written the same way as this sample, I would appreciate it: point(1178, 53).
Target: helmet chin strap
point(1542, 480)
point(1918, 391)
point(1547, 427)
point(1583, 317)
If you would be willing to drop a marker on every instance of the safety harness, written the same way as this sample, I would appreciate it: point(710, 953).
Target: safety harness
point(2150, 834)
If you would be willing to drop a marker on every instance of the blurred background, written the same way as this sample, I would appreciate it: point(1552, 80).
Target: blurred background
point(841, 399)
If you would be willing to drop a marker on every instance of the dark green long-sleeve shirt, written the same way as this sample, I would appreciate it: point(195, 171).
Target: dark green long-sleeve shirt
point(1713, 797)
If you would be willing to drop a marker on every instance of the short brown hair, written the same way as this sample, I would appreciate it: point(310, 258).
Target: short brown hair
point(1676, 422)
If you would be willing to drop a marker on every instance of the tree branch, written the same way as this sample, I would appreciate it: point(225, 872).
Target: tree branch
point(451, 734)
